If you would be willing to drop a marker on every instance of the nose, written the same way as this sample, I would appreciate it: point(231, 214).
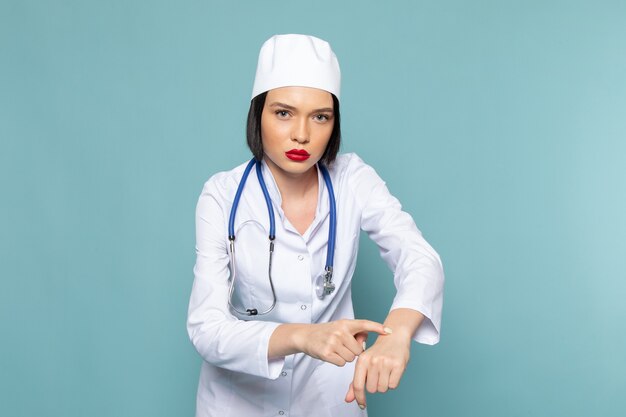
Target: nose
point(300, 132)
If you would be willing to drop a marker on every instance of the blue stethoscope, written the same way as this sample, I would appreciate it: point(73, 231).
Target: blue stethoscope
point(324, 283)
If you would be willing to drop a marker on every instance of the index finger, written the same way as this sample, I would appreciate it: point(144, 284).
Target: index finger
point(358, 326)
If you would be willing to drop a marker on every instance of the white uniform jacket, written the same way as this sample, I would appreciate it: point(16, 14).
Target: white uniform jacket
point(236, 378)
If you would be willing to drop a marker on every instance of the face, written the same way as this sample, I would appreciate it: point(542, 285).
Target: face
point(296, 124)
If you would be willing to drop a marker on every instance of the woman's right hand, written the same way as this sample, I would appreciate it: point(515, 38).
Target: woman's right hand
point(336, 342)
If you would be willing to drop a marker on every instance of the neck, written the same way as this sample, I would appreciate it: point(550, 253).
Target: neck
point(294, 186)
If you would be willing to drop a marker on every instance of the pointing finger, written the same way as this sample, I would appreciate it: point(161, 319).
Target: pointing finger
point(359, 326)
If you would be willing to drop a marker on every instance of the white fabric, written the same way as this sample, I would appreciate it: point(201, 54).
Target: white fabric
point(236, 377)
point(297, 61)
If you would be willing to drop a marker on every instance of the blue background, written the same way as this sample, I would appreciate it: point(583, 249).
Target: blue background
point(500, 125)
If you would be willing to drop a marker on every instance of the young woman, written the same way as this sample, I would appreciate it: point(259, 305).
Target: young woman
point(277, 238)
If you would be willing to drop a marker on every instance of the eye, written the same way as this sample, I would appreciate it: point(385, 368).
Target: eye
point(282, 114)
point(322, 117)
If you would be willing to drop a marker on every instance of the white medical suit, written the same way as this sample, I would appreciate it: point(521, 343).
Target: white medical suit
point(236, 378)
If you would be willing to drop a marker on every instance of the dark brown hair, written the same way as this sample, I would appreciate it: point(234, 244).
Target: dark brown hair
point(253, 130)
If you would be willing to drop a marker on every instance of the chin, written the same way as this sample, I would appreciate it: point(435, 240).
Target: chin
point(297, 168)
point(290, 167)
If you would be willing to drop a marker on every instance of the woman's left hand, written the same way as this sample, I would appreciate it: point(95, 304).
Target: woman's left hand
point(380, 367)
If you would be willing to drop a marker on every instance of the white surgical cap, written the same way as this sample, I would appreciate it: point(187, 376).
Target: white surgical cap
point(297, 61)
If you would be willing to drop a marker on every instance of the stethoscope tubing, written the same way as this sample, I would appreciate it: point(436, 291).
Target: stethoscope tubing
point(233, 211)
point(268, 202)
point(332, 232)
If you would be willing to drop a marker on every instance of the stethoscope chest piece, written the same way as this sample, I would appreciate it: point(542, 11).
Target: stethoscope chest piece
point(324, 284)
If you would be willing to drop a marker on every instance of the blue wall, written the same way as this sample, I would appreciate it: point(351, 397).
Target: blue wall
point(500, 125)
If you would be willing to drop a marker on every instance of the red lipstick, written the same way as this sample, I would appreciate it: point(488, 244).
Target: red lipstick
point(297, 155)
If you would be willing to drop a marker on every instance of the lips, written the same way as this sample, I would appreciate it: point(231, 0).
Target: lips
point(297, 155)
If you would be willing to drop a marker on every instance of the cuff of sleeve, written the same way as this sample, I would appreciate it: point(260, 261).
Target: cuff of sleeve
point(269, 368)
point(275, 366)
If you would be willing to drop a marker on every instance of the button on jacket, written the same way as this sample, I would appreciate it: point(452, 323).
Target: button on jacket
point(236, 377)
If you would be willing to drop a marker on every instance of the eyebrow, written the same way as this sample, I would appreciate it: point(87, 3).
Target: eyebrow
point(288, 107)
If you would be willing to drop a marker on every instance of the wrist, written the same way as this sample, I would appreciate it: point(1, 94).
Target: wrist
point(401, 335)
point(404, 322)
point(299, 336)
point(287, 339)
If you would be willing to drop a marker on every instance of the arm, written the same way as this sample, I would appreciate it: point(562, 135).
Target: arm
point(337, 342)
point(218, 336)
point(418, 278)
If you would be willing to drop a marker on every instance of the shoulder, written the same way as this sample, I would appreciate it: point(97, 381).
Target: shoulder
point(220, 189)
point(354, 180)
point(345, 161)
point(223, 184)
point(351, 169)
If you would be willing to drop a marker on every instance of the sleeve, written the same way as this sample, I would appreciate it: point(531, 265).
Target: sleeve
point(218, 336)
point(417, 268)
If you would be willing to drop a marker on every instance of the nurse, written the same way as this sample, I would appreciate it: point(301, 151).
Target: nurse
point(270, 345)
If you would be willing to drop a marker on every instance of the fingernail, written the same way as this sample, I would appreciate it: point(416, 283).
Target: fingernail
point(364, 345)
point(361, 406)
point(388, 330)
